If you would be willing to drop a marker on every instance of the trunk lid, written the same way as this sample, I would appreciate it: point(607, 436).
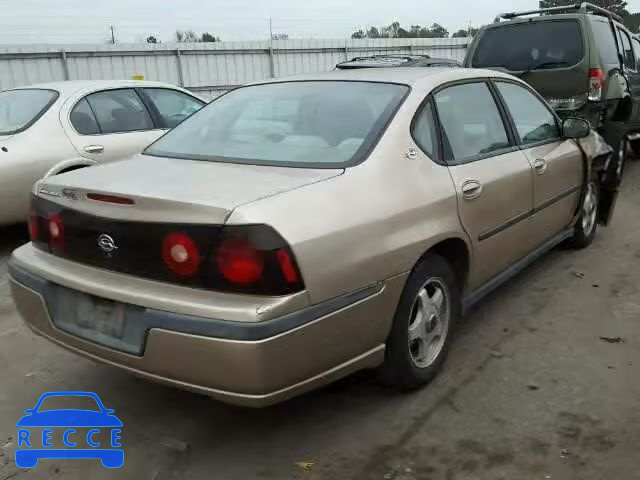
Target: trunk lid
point(175, 190)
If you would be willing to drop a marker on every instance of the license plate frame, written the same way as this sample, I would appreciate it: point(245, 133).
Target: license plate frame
point(100, 316)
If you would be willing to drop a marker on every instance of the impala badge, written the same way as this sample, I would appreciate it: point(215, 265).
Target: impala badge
point(107, 243)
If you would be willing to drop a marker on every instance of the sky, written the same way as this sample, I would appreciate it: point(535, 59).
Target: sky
point(88, 21)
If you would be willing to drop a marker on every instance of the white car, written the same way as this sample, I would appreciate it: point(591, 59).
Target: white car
point(53, 128)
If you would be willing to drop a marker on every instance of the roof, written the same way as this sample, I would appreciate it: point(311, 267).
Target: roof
point(403, 75)
point(70, 87)
point(396, 60)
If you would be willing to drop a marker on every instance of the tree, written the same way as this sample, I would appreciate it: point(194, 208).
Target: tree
point(618, 7)
point(633, 22)
point(152, 39)
point(207, 37)
point(373, 32)
point(280, 36)
point(472, 32)
point(359, 35)
point(187, 36)
point(438, 31)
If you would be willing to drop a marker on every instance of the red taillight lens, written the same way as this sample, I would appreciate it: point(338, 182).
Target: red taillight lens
point(99, 197)
point(596, 84)
point(55, 229)
point(180, 254)
point(286, 265)
point(34, 225)
point(239, 261)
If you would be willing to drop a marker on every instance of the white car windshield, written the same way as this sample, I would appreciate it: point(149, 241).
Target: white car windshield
point(311, 124)
point(19, 109)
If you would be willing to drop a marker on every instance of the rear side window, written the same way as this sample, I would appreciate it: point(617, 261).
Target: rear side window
point(423, 130)
point(605, 41)
point(19, 109)
point(629, 57)
point(83, 119)
point(471, 120)
point(547, 44)
point(120, 111)
point(636, 49)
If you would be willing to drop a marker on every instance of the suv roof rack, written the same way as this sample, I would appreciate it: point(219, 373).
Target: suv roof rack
point(396, 60)
point(584, 7)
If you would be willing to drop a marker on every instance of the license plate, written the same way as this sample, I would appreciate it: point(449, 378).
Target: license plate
point(102, 316)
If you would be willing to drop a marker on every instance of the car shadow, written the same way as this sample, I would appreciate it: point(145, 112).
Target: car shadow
point(12, 237)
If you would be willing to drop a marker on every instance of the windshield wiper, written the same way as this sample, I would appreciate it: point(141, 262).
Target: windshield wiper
point(538, 66)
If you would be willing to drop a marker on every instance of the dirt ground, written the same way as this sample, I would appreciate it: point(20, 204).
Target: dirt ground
point(530, 391)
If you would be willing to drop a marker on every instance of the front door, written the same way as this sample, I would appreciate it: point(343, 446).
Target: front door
point(492, 177)
point(557, 163)
point(110, 125)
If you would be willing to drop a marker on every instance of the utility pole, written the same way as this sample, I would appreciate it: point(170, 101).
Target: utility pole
point(272, 64)
point(113, 35)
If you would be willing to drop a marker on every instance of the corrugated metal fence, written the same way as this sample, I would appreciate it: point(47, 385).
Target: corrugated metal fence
point(207, 68)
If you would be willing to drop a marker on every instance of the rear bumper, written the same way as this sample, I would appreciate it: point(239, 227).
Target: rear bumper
point(246, 364)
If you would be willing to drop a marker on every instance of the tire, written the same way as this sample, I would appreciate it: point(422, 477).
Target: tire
point(412, 363)
point(587, 224)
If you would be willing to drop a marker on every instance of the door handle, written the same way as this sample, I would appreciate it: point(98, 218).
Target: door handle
point(471, 189)
point(540, 166)
point(94, 148)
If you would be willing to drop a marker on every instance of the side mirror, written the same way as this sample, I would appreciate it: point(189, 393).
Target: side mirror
point(575, 128)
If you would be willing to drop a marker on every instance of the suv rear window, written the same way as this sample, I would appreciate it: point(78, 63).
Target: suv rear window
point(522, 46)
point(317, 124)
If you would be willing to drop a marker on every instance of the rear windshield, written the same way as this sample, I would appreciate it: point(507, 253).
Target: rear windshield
point(606, 42)
point(548, 44)
point(308, 124)
point(19, 109)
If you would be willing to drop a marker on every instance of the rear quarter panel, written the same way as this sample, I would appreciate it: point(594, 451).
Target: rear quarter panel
point(371, 223)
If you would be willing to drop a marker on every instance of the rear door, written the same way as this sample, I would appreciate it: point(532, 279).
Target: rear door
point(557, 163)
point(492, 177)
point(110, 124)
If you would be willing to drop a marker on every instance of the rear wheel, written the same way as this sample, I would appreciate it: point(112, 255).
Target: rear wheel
point(421, 333)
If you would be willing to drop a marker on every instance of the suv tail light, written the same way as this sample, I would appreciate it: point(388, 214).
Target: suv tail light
point(596, 84)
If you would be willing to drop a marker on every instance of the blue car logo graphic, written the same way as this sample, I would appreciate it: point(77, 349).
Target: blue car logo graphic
point(35, 444)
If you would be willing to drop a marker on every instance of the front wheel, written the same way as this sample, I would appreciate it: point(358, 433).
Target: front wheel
point(421, 333)
point(587, 224)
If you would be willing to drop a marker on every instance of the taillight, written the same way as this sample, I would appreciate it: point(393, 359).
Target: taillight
point(55, 229)
point(254, 259)
point(34, 225)
point(180, 254)
point(239, 261)
point(596, 84)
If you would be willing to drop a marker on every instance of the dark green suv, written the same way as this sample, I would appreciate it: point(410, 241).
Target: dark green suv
point(579, 57)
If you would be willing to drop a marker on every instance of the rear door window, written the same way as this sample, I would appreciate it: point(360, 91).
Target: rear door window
point(120, 111)
point(627, 50)
point(471, 122)
point(521, 46)
point(424, 132)
point(605, 41)
point(83, 119)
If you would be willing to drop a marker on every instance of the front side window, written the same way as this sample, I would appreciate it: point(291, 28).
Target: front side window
point(629, 57)
point(173, 106)
point(542, 45)
point(317, 124)
point(19, 109)
point(120, 111)
point(533, 120)
point(471, 121)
